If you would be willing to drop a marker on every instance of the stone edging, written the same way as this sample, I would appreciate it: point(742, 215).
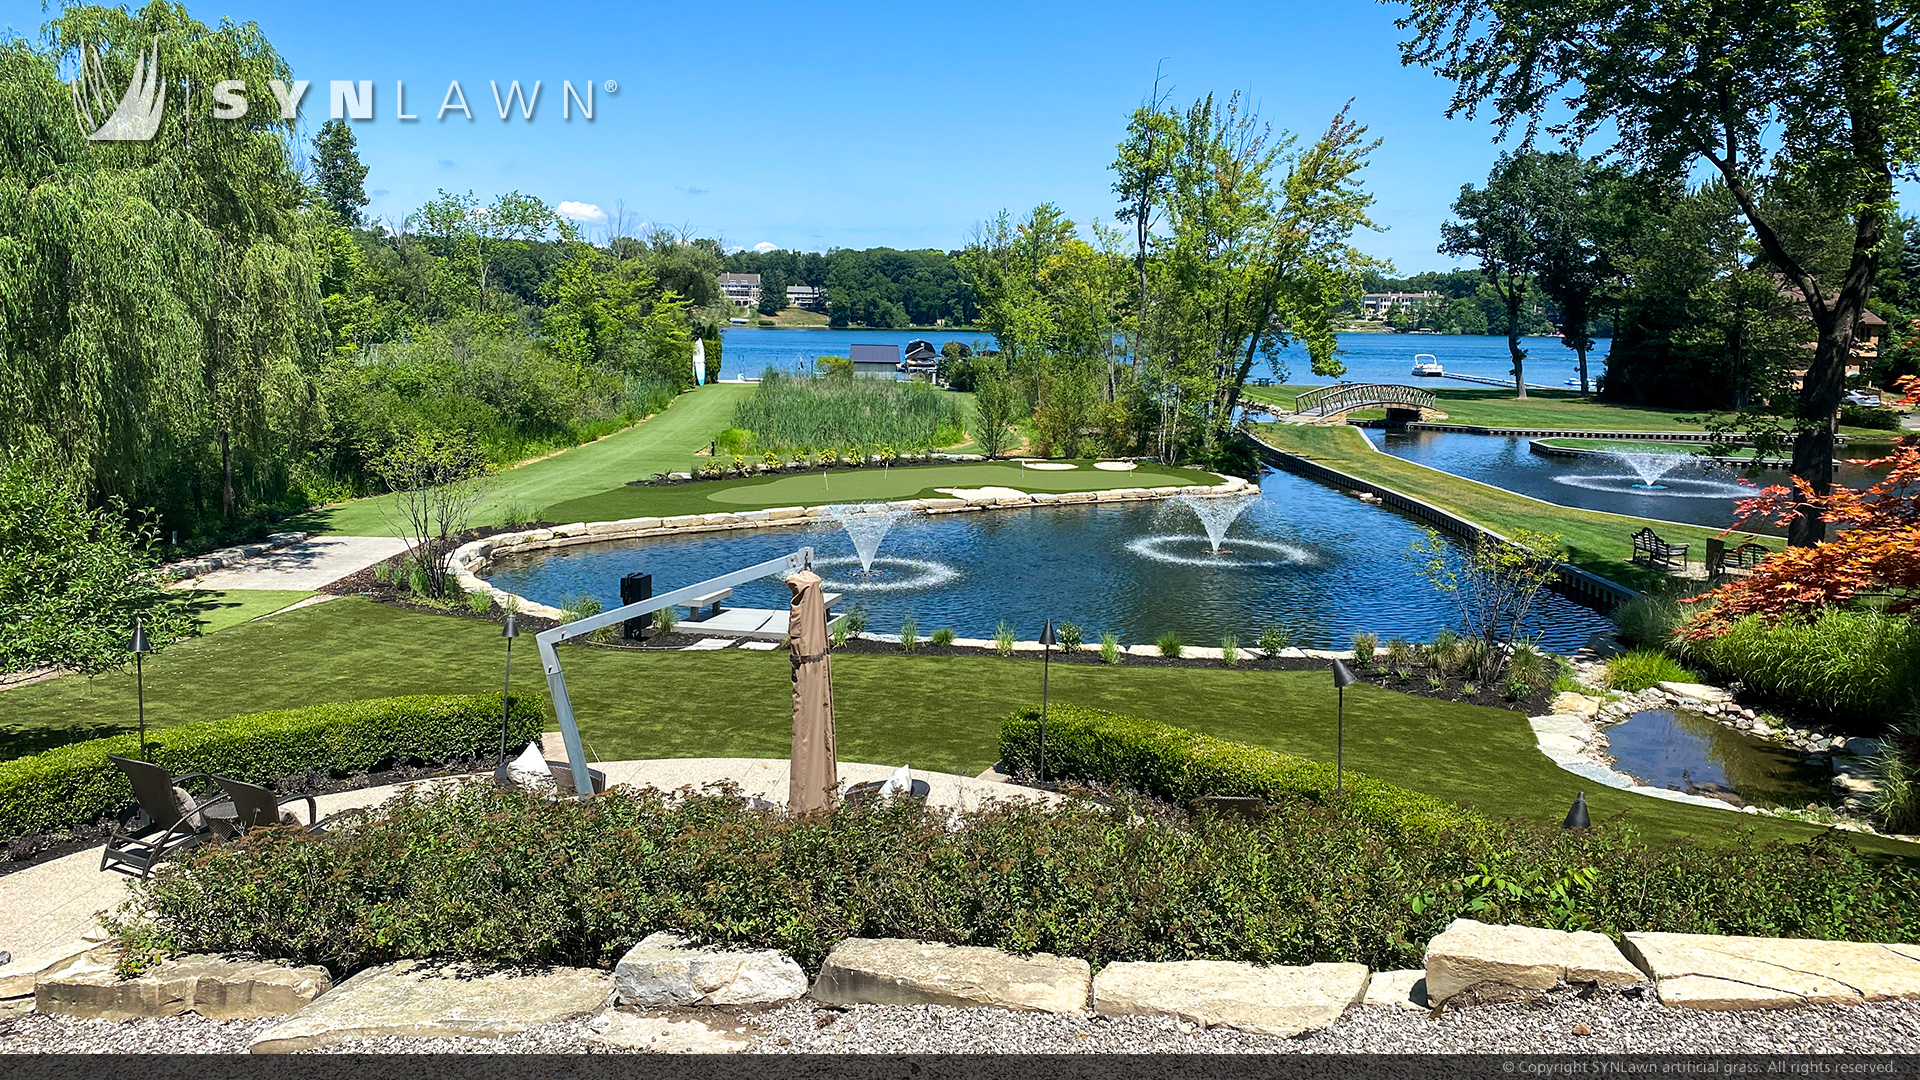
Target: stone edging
point(225, 557)
point(470, 558)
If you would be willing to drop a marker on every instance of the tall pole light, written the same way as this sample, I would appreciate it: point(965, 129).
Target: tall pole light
point(1342, 678)
point(140, 647)
point(1046, 658)
point(509, 631)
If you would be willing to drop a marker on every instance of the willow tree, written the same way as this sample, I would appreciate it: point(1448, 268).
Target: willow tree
point(1820, 92)
point(159, 307)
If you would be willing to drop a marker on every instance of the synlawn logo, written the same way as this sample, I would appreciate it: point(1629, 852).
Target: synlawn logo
point(136, 117)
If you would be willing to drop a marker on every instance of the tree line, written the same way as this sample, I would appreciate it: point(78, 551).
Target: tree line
point(881, 288)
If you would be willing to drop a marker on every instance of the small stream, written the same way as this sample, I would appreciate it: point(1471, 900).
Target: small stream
point(1696, 754)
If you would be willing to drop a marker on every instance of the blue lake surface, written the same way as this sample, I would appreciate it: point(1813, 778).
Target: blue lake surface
point(749, 350)
point(1302, 557)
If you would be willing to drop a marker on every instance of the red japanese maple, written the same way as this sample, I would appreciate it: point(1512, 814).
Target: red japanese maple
point(1877, 554)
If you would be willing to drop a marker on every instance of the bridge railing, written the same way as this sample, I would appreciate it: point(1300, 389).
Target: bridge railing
point(1341, 397)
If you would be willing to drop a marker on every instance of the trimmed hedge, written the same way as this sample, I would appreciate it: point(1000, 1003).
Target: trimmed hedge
point(76, 785)
point(1177, 764)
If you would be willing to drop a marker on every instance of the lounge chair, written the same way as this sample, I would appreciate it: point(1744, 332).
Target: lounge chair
point(165, 806)
point(254, 806)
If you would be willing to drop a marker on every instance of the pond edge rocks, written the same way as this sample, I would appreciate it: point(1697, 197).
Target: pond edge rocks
point(469, 560)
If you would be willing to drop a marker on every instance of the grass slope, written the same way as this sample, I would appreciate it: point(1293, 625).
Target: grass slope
point(938, 713)
point(1596, 542)
point(1566, 409)
point(215, 609)
point(855, 485)
point(663, 443)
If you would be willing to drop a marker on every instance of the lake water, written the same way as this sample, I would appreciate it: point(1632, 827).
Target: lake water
point(749, 350)
point(1303, 557)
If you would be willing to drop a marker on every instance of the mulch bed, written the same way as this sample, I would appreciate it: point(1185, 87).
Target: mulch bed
point(22, 852)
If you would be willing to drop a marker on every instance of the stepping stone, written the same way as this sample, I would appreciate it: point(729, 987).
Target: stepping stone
point(667, 969)
point(1398, 990)
point(760, 646)
point(1283, 1001)
point(430, 1000)
point(214, 987)
point(1502, 963)
point(1706, 971)
point(1711, 695)
point(706, 644)
point(895, 971)
point(666, 1035)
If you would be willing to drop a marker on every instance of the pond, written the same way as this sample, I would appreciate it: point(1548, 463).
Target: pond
point(1693, 753)
point(1670, 483)
point(1301, 557)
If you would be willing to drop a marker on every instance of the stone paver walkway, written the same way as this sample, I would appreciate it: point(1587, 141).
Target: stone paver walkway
point(308, 565)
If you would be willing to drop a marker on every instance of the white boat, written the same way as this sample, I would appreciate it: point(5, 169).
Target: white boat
point(738, 322)
point(1427, 364)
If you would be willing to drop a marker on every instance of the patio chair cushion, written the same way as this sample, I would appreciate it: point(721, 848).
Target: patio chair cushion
point(185, 800)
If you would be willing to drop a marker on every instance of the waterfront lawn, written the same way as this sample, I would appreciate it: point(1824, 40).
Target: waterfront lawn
point(1596, 542)
point(939, 713)
point(868, 484)
point(216, 609)
point(1564, 409)
point(665, 442)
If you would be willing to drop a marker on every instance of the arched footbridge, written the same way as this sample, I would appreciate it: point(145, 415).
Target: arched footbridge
point(1345, 397)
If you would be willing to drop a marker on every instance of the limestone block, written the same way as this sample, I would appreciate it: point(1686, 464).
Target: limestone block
point(666, 1035)
point(1577, 704)
point(431, 1000)
point(1706, 971)
point(1711, 695)
point(1398, 990)
point(214, 987)
point(665, 969)
point(1508, 961)
point(1282, 1001)
point(895, 971)
point(717, 519)
point(564, 532)
point(681, 521)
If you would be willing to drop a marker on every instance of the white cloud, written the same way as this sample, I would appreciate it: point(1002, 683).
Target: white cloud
point(580, 211)
point(765, 246)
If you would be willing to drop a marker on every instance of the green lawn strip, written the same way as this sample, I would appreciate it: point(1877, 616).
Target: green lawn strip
point(217, 609)
point(867, 484)
point(663, 443)
point(1596, 542)
point(1563, 409)
point(936, 713)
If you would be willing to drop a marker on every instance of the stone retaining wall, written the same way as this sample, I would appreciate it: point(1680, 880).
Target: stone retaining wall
point(225, 557)
point(471, 559)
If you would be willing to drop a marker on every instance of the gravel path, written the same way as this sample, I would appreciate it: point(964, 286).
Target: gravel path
point(1622, 1023)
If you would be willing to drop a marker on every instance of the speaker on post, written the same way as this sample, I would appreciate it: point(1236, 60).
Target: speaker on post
point(633, 589)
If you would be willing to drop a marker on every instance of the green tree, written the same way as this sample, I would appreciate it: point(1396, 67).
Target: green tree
point(773, 292)
point(1580, 228)
point(1505, 226)
point(338, 175)
point(997, 404)
point(1823, 91)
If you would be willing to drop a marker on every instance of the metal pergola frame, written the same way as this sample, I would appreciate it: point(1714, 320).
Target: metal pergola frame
point(550, 657)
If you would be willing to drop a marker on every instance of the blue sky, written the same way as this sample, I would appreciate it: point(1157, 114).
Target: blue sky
point(854, 124)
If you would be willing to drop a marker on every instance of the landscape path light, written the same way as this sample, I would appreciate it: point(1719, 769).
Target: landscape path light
point(1577, 815)
point(1342, 678)
point(509, 631)
point(139, 646)
point(1046, 656)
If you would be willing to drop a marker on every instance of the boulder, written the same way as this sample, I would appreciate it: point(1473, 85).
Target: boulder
point(667, 1035)
point(214, 987)
point(1706, 971)
point(431, 1000)
point(1504, 962)
point(666, 969)
point(1282, 1001)
point(895, 971)
point(1398, 990)
point(1711, 695)
point(1576, 704)
point(24, 969)
point(682, 521)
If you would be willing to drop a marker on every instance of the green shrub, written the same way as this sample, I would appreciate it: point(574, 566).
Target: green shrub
point(909, 634)
point(1070, 637)
point(1229, 649)
point(1181, 765)
point(1109, 648)
point(855, 621)
point(1443, 655)
point(1868, 416)
point(1363, 648)
point(1003, 638)
point(942, 637)
point(1273, 641)
point(1854, 666)
point(1400, 653)
point(76, 784)
point(733, 441)
point(1896, 801)
point(1530, 668)
point(1649, 621)
point(1641, 668)
point(479, 602)
point(1171, 644)
point(666, 620)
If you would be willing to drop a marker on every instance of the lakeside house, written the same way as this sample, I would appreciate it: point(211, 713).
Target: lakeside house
point(1376, 305)
point(875, 361)
point(808, 297)
point(741, 290)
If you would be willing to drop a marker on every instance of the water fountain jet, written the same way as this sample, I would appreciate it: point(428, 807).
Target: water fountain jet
point(1650, 467)
point(1216, 513)
point(866, 525)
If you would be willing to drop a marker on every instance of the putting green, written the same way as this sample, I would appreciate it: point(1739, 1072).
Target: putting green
point(851, 485)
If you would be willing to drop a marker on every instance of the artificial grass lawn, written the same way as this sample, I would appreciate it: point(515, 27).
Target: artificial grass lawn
point(866, 484)
point(663, 443)
point(1496, 408)
point(215, 609)
point(1596, 542)
point(936, 713)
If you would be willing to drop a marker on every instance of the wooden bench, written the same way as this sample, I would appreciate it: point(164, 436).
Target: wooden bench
point(1748, 555)
point(1648, 548)
point(695, 603)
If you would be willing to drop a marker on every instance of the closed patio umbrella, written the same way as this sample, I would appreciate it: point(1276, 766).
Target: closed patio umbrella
point(814, 770)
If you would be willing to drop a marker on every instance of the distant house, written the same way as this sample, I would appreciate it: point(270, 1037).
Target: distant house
point(922, 360)
point(1866, 337)
point(809, 297)
point(1375, 305)
point(742, 290)
point(875, 361)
